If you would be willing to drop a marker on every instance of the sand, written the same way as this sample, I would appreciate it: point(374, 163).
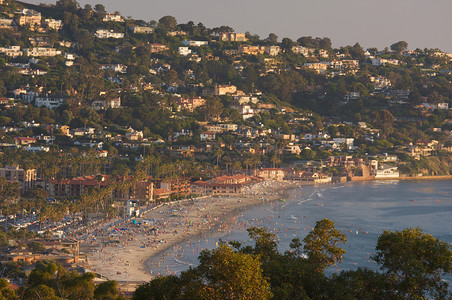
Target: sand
point(119, 250)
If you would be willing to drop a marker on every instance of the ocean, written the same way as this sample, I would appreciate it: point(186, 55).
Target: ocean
point(361, 210)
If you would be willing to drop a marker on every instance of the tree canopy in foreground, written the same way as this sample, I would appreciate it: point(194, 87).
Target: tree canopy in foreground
point(412, 264)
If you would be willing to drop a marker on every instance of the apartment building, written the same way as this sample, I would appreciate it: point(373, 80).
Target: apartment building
point(26, 178)
point(11, 51)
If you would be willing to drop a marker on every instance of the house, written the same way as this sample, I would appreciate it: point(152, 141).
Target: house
point(41, 51)
point(12, 51)
point(134, 135)
point(223, 185)
point(207, 136)
point(113, 17)
point(158, 48)
point(28, 17)
point(141, 30)
point(306, 52)
point(54, 24)
point(6, 24)
point(384, 61)
point(24, 140)
point(314, 177)
point(245, 110)
point(220, 90)
point(319, 67)
point(120, 68)
point(35, 149)
point(106, 104)
point(232, 37)
point(243, 99)
point(352, 96)
point(105, 34)
point(270, 174)
point(184, 51)
point(255, 50)
point(189, 104)
point(50, 102)
point(26, 178)
point(386, 172)
point(292, 149)
point(195, 43)
point(229, 127)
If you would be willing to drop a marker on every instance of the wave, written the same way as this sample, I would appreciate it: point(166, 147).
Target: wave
point(183, 262)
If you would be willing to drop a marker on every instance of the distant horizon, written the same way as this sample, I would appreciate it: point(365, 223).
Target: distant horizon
point(421, 24)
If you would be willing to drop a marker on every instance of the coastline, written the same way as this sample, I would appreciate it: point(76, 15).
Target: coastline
point(129, 260)
point(125, 257)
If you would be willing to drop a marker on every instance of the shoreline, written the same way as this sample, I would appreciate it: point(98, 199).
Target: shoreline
point(205, 216)
point(126, 257)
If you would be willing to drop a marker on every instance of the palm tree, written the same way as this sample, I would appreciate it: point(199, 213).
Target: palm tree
point(218, 154)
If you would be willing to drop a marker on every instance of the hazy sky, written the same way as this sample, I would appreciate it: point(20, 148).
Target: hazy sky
point(376, 23)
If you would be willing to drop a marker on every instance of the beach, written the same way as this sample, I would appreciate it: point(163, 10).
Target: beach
point(120, 250)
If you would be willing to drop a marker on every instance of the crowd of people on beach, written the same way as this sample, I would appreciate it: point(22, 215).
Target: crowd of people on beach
point(164, 227)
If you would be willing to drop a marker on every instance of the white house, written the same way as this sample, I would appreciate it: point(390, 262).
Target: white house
point(207, 136)
point(116, 17)
point(105, 34)
point(184, 51)
point(195, 43)
point(49, 102)
point(54, 24)
point(41, 51)
point(12, 51)
point(386, 172)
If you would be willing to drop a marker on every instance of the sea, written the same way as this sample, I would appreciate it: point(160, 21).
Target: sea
point(361, 210)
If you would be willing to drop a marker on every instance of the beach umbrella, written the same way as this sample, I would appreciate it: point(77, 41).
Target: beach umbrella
point(134, 222)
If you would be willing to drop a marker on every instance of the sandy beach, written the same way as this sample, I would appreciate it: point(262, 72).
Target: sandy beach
point(119, 251)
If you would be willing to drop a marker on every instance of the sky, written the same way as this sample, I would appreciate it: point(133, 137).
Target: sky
point(376, 23)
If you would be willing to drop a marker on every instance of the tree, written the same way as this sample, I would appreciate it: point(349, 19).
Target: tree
point(232, 275)
point(320, 245)
point(272, 39)
point(399, 46)
point(100, 10)
point(168, 22)
point(5, 290)
point(415, 261)
point(213, 109)
point(287, 44)
point(106, 290)
point(67, 5)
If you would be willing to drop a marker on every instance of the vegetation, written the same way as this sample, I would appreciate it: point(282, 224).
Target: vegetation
point(412, 264)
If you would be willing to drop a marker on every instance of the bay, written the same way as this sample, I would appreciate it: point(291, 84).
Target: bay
point(361, 210)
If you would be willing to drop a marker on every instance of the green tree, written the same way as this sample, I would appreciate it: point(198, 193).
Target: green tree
point(399, 46)
point(107, 290)
point(168, 22)
point(320, 245)
point(415, 261)
point(232, 275)
point(272, 39)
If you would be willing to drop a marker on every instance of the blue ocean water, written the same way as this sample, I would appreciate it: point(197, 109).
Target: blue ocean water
point(361, 210)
